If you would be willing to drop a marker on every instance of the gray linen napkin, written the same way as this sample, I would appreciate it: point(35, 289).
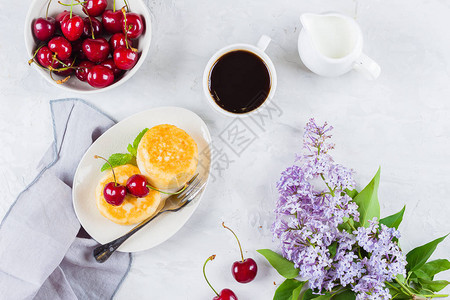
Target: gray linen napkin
point(41, 256)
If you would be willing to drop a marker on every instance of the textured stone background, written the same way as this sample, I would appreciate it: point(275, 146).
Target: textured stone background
point(400, 122)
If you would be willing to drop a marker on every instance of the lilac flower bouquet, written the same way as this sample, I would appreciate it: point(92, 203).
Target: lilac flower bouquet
point(333, 236)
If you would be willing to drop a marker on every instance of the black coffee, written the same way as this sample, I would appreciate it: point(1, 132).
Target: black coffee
point(239, 81)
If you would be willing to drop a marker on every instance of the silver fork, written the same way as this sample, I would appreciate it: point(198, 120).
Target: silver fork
point(173, 203)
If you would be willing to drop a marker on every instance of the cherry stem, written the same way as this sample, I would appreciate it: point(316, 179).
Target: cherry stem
point(114, 6)
point(240, 248)
point(126, 28)
point(204, 273)
point(112, 169)
point(46, 12)
point(71, 8)
point(79, 3)
point(126, 4)
point(168, 193)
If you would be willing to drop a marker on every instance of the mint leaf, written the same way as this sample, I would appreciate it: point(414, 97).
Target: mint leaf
point(394, 220)
point(367, 201)
point(283, 266)
point(428, 270)
point(346, 295)
point(131, 150)
point(417, 257)
point(435, 286)
point(138, 139)
point(284, 291)
point(117, 159)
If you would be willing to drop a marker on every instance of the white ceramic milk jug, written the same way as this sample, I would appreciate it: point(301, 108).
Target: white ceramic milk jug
point(331, 44)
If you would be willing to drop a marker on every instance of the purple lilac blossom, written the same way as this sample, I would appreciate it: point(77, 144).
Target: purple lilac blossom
point(307, 220)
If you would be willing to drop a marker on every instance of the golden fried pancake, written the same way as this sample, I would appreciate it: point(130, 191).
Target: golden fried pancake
point(133, 210)
point(167, 156)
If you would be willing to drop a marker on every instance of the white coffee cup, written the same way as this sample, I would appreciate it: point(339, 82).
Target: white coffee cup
point(331, 44)
point(258, 50)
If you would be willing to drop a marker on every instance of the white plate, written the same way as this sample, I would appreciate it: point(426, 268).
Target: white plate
point(116, 140)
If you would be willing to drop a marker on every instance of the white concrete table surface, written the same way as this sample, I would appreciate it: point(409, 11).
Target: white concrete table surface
point(400, 122)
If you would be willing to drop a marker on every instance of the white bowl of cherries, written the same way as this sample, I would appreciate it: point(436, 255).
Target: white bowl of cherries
point(87, 46)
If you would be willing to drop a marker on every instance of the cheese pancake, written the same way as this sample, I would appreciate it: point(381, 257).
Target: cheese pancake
point(167, 156)
point(133, 210)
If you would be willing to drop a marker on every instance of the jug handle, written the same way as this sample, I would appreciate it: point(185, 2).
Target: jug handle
point(263, 42)
point(367, 66)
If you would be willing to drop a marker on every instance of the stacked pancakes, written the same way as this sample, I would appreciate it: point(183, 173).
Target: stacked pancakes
point(167, 156)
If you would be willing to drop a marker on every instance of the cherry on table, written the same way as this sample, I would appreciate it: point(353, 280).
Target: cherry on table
point(125, 58)
point(109, 63)
point(94, 8)
point(113, 192)
point(132, 25)
point(83, 69)
point(112, 21)
point(96, 25)
point(44, 28)
point(100, 76)
point(96, 50)
point(225, 294)
point(72, 27)
point(244, 270)
point(61, 47)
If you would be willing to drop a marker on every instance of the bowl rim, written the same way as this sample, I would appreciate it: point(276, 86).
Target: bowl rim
point(29, 40)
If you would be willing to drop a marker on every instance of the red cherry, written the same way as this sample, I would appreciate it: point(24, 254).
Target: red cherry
point(132, 25)
point(43, 28)
point(124, 58)
point(244, 270)
point(96, 24)
point(72, 28)
point(114, 193)
point(45, 57)
point(77, 50)
point(100, 76)
point(109, 63)
point(69, 62)
point(83, 69)
point(226, 294)
point(61, 47)
point(118, 40)
point(137, 186)
point(94, 8)
point(112, 21)
point(61, 16)
point(96, 50)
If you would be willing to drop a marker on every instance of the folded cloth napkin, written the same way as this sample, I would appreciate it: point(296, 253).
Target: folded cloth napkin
point(41, 256)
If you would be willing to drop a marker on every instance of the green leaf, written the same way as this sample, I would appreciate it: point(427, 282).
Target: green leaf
point(283, 266)
point(367, 201)
point(308, 295)
point(394, 220)
point(352, 193)
point(296, 293)
point(346, 295)
point(428, 270)
point(117, 159)
point(332, 249)
point(435, 286)
point(138, 139)
point(131, 150)
point(285, 290)
point(417, 257)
